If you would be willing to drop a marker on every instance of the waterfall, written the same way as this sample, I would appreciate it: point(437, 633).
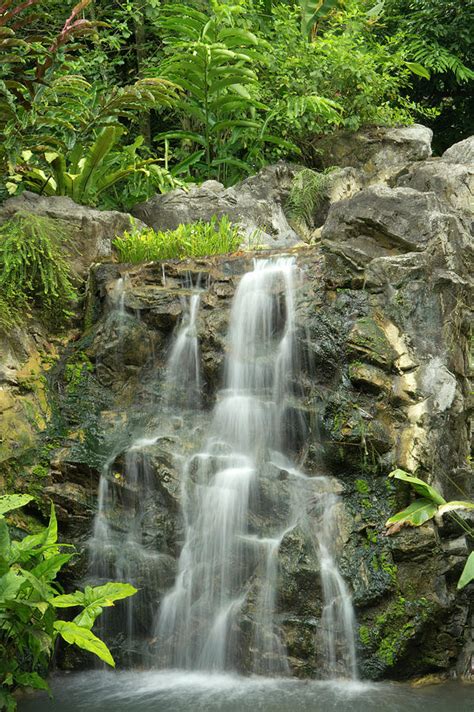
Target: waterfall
point(183, 376)
point(242, 495)
point(117, 547)
point(223, 562)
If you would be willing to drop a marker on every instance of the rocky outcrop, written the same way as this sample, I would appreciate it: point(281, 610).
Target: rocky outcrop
point(453, 183)
point(256, 204)
point(382, 324)
point(380, 153)
point(462, 152)
point(89, 232)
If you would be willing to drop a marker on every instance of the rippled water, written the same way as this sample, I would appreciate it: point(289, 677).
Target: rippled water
point(172, 691)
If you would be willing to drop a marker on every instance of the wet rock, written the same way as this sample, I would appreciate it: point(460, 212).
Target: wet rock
point(368, 341)
point(369, 377)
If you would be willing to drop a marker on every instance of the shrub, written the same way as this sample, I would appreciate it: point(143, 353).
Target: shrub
point(29, 599)
point(33, 270)
point(191, 240)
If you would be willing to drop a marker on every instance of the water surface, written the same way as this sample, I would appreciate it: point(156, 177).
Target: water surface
point(177, 691)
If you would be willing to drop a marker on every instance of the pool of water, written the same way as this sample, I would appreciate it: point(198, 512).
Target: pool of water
point(177, 691)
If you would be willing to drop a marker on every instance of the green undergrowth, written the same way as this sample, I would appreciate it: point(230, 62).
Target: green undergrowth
point(307, 193)
point(195, 239)
point(34, 273)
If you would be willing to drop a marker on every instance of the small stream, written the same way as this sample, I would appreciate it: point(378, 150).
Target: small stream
point(178, 691)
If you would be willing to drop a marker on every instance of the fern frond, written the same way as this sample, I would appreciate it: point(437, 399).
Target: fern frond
point(307, 193)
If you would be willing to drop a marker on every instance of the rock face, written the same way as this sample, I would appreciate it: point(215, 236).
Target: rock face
point(382, 324)
point(378, 152)
point(256, 204)
point(462, 152)
point(90, 232)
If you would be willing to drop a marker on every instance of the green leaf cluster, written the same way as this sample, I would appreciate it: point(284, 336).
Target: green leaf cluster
point(430, 504)
point(33, 270)
point(29, 599)
point(195, 239)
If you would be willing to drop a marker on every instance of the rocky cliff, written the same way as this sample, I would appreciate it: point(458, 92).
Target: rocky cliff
point(383, 329)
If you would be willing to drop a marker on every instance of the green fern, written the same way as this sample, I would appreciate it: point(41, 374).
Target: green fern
point(438, 59)
point(307, 193)
point(33, 270)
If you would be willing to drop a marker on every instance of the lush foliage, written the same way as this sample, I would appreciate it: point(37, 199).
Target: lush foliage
point(439, 34)
point(431, 504)
point(33, 270)
point(113, 103)
point(30, 597)
point(196, 239)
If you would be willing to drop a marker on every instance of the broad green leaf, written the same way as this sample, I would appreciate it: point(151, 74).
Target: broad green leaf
point(48, 568)
point(85, 639)
point(10, 584)
point(419, 486)
point(68, 600)
point(418, 69)
point(31, 679)
point(13, 501)
point(468, 572)
point(416, 514)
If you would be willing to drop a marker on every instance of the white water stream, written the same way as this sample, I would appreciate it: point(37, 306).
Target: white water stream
point(222, 608)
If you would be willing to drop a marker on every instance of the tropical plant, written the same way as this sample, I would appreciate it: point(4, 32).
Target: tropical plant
point(73, 145)
point(196, 239)
point(215, 62)
point(439, 35)
point(307, 193)
point(33, 270)
point(431, 504)
point(346, 77)
point(62, 133)
point(30, 598)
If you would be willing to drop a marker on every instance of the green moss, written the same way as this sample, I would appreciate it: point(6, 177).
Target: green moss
point(391, 632)
point(361, 486)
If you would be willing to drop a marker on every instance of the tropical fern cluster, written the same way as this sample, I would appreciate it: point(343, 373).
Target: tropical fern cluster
point(307, 193)
point(34, 273)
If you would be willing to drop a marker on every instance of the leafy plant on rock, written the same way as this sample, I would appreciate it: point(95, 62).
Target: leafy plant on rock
point(33, 270)
point(189, 240)
point(431, 504)
point(30, 597)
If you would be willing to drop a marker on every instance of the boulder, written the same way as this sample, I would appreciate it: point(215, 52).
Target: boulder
point(461, 152)
point(386, 222)
point(90, 232)
point(256, 204)
point(452, 182)
point(380, 152)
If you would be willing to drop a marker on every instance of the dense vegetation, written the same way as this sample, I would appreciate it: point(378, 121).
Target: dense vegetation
point(109, 102)
point(30, 597)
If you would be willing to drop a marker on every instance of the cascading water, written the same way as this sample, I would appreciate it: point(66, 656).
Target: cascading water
point(118, 549)
point(226, 560)
point(183, 376)
point(222, 612)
